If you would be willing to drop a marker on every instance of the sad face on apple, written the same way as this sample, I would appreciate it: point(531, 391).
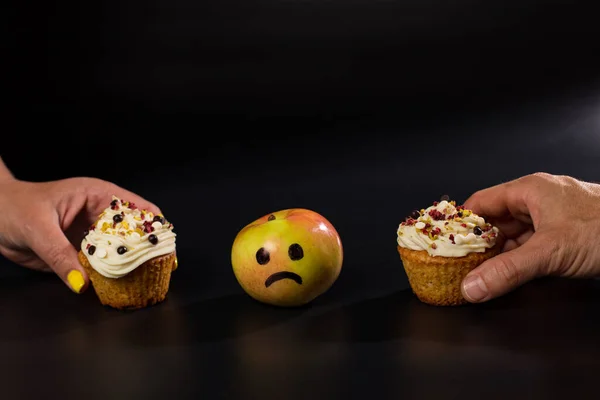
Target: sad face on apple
point(287, 258)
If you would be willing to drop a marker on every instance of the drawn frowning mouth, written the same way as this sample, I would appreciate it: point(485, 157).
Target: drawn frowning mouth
point(277, 276)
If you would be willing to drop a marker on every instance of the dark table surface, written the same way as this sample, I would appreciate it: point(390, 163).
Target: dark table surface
point(362, 111)
point(367, 336)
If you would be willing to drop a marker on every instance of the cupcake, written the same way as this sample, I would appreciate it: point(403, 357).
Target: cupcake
point(439, 246)
point(129, 255)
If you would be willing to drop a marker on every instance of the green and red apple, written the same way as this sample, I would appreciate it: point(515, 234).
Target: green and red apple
point(287, 258)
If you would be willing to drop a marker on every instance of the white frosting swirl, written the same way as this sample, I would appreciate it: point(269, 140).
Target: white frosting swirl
point(115, 247)
point(446, 230)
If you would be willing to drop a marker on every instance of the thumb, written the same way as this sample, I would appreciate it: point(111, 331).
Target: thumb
point(507, 271)
point(52, 246)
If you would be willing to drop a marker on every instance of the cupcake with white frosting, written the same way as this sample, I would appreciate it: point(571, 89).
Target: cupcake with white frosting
point(439, 246)
point(129, 255)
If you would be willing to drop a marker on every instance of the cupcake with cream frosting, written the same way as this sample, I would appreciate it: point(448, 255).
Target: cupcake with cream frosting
point(129, 255)
point(439, 246)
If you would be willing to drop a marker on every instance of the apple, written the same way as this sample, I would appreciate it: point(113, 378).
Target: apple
point(287, 258)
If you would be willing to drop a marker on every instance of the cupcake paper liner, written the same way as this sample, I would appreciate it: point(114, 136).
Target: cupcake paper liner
point(145, 286)
point(437, 280)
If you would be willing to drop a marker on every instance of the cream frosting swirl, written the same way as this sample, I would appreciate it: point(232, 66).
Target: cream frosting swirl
point(446, 230)
point(124, 237)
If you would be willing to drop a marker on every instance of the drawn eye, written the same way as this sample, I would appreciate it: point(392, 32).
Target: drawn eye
point(295, 252)
point(263, 256)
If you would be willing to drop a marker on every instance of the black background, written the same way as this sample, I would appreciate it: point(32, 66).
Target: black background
point(223, 111)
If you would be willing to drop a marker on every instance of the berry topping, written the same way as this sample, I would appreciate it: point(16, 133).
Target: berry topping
point(122, 250)
point(477, 230)
point(152, 238)
point(415, 214)
point(159, 219)
point(91, 250)
point(148, 226)
point(409, 222)
point(437, 215)
point(117, 218)
point(114, 204)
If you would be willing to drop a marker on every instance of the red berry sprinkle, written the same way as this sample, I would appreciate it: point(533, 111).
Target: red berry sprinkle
point(452, 238)
point(148, 227)
point(437, 215)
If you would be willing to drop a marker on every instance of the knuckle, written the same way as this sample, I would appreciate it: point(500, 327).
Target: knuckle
point(536, 179)
point(57, 256)
point(506, 269)
point(476, 197)
point(542, 176)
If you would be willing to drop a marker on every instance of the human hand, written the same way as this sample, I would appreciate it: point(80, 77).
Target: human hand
point(42, 224)
point(552, 227)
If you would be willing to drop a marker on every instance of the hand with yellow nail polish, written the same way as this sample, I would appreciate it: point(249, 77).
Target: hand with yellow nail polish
point(42, 223)
point(550, 223)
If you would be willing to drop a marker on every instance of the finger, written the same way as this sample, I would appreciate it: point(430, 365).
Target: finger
point(507, 271)
point(27, 259)
point(500, 201)
point(512, 244)
point(510, 227)
point(52, 247)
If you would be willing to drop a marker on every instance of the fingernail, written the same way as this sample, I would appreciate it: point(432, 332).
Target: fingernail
point(474, 288)
point(76, 280)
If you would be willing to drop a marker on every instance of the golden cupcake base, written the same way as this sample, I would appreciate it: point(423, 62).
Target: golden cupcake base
point(437, 280)
point(145, 286)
